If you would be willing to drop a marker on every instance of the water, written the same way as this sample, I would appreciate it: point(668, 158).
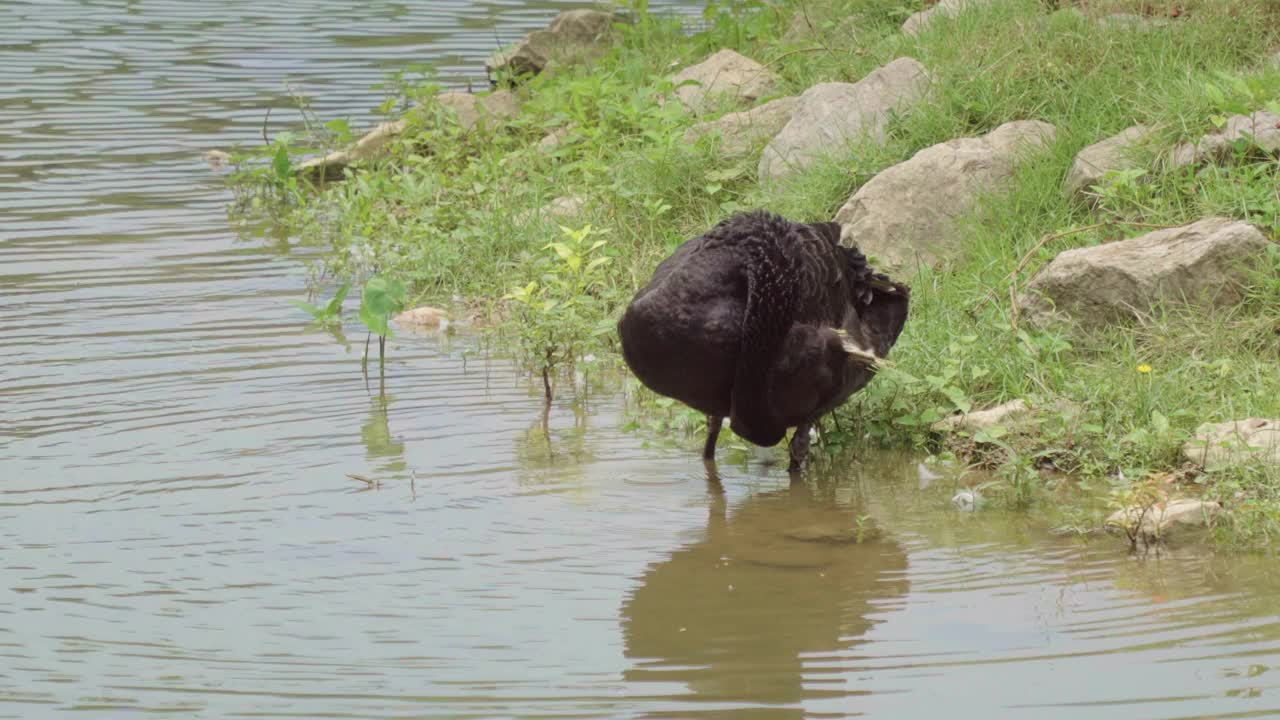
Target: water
point(178, 535)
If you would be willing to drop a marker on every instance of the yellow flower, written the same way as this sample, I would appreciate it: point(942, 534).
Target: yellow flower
point(1144, 368)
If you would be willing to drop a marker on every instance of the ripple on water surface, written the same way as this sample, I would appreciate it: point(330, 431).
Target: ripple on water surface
point(178, 533)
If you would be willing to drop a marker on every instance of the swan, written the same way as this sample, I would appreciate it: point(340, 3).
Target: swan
point(768, 322)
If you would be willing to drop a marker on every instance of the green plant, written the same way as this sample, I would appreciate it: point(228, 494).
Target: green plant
point(329, 314)
point(380, 299)
point(559, 314)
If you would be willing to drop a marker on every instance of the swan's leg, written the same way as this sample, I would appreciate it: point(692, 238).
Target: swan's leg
point(713, 433)
point(799, 447)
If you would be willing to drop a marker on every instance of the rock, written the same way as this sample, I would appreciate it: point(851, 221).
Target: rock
point(331, 166)
point(967, 500)
point(1199, 263)
point(1163, 521)
point(742, 132)
point(982, 419)
point(906, 215)
point(471, 109)
point(558, 210)
point(423, 317)
point(830, 116)
point(554, 139)
point(573, 36)
point(725, 74)
point(1113, 154)
point(564, 207)
point(1261, 130)
point(217, 159)
point(1220, 445)
point(944, 9)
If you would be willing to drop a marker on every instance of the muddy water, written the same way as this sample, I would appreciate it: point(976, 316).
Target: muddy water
point(178, 536)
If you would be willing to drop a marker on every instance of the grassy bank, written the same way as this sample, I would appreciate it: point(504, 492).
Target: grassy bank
point(456, 213)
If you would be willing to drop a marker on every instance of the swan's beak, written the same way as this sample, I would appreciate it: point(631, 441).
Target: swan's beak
point(858, 355)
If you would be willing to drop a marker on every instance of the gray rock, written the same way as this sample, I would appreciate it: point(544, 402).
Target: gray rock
point(906, 215)
point(1221, 445)
point(554, 139)
point(742, 132)
point(1261, 129)
point(831, 116)
point(471, 109)
point(967, 500)
point(558, 210)
point(331, 166)
point(981, 419)
point(944, 9)
point(1203, 262)
point(725, 74)
point(1116, 153)
point(1164, 521)
point(573, 36)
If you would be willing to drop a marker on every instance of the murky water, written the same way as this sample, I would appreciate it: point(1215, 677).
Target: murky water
point(178, 535)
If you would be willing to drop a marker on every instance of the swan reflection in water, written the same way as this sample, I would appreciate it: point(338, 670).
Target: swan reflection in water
point(732, 617)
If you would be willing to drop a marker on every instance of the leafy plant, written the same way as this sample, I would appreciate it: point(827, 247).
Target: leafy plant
point(329, 314)
point(380, 299)
point(560, 314)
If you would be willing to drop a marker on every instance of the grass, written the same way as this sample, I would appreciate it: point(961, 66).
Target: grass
point(454, 213)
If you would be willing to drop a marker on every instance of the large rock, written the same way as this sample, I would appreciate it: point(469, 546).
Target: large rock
point(725, 74)
point(573, 36)
point(742, 132)
point(1261, 130)
point(1164, 521)
point(906, 215)
point(1220, 445)
point(831, 116)
point(1201, 263)
point(1116, 153)
point(944, 9)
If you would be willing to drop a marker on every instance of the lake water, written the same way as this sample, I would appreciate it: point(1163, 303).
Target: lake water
point(179, 537)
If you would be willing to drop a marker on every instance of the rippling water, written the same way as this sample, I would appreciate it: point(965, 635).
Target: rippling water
point(178, 534)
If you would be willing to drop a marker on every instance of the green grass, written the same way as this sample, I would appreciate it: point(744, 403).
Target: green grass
point(455, 213)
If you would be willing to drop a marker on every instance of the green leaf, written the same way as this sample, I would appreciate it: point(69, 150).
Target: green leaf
point(307, 307)
point(334, 306)
point(564, 251)
point(1159, 421)
point(990, 434)
point(280, 164)
point(339, 127)
point(381, 298)
point(1215, 94)
point(957, 396)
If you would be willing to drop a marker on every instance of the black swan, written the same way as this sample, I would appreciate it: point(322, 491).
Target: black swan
point(769, 322)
